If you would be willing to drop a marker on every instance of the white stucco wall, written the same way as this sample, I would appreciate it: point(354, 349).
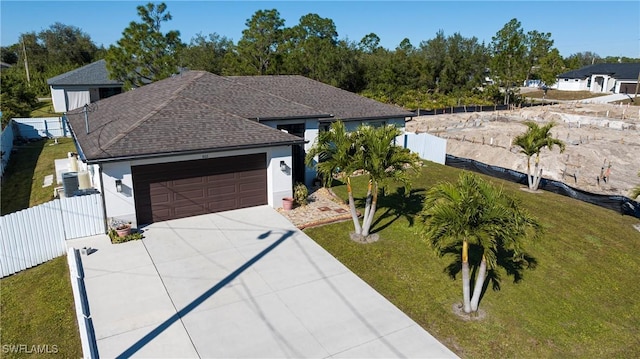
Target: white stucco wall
point(312, 128)
point(122, 205)
point(279, 183)
point(59, 99)
point(572, 85)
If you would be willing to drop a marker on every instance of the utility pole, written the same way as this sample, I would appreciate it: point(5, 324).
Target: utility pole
point(26, 63)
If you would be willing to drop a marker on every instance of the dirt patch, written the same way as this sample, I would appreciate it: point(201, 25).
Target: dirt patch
point(458, 309)
point(602, 140)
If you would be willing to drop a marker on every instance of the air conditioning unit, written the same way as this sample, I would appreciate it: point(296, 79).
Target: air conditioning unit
point(70, 183)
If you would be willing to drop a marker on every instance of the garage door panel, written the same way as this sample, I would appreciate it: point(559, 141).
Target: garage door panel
point(189, 182)
point(161, 198)
point(222, 190)
point(189, 210)
point(223, 205)
point(183, 189)
point(197, 194)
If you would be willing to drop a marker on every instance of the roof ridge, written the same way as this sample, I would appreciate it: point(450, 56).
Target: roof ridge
point(138, 123)
point(274, 95)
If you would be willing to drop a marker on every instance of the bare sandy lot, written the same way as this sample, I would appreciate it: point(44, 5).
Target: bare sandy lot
point(599, 138)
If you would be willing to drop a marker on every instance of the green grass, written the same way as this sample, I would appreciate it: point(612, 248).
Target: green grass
point(24, 176)
point(44, 109)
point(36, 308)
point(581, 301)
point(562, 95)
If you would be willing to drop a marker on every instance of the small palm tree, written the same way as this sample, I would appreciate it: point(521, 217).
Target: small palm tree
point(531, 144)
point(369, 149)
point(335, 150)
point(382, 161)
point(473, 219)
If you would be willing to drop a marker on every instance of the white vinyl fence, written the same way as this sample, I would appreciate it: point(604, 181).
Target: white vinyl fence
point(6, 145)
point(30, 128)
point(48, 127)
point(428, 147)
point(36, 235)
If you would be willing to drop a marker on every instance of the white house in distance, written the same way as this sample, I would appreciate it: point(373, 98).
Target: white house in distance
point(82, 86)
point(199, 143)
point(601, 78)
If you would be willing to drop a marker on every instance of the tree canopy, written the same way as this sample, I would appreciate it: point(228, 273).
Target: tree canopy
point(446, 70)
point(144, 54)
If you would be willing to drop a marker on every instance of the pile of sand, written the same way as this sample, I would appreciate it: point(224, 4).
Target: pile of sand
point(599, 138)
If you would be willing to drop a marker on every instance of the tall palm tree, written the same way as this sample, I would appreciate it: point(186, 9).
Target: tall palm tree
point(531, 143)
point(382, 161)
point(334, 154)
point(474, 219)
point(369, 149)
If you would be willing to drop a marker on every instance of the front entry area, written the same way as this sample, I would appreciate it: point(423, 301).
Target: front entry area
point(183, 189)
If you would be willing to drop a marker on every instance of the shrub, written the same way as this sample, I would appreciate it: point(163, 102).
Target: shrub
point(300, 193)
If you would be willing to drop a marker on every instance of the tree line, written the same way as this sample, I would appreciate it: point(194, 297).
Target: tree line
point(436, 73)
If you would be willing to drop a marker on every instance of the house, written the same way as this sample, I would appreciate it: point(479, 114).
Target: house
point(198, 143)
point(607, 78)
point(82, 86)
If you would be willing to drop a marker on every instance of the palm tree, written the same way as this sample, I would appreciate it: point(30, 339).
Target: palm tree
point(369, 149)
point(474, 220)
point(335, 150)
point(635, 193)
point(382, 161)
point(531, 143)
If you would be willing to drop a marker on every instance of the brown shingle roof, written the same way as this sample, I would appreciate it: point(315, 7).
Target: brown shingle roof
point(199, 111)
point(176, 115)
point(341, 104)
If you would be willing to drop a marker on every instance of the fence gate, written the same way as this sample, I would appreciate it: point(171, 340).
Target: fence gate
point(38, 234)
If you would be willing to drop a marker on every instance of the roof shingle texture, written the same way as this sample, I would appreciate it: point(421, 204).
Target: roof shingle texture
point(169, 116)
point(626, 71)
point(200, 111)
point(94, 73)
point(343, 105)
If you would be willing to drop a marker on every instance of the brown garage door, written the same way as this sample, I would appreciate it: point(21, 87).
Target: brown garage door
point(183, 189)
point(628, 88)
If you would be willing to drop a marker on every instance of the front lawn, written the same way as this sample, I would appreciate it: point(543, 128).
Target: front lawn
point(580, 302)
point(37, 309)
point(562, 95)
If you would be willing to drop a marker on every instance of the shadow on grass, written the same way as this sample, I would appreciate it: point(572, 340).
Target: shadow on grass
point(396, 205)
point(18, 177)
point(506, 260)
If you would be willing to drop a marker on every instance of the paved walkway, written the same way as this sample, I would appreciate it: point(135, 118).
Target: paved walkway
point(323, 207)
point(607, 98)
point(239, 284)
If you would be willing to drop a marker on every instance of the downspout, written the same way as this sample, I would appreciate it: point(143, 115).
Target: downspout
point(104, 204)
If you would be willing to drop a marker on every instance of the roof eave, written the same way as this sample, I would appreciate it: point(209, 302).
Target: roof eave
point(382, 117)
point(192, 152)
point(304, 117)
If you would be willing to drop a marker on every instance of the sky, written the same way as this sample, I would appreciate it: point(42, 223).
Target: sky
point(607, 28)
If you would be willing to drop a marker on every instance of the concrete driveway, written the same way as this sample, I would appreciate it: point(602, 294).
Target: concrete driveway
point(241, 284)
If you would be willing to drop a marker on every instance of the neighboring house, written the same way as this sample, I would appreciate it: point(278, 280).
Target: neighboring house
point(198, 143)
point(601, 78)
point(82, 86)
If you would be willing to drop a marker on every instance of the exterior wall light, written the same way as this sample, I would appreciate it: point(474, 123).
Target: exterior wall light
point(284, 167)
point(119, 186)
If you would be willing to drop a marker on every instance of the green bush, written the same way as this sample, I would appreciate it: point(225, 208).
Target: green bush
point(133, 236)
point(300, 194)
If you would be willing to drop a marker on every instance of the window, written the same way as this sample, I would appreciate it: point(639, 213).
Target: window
point(109, 91)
